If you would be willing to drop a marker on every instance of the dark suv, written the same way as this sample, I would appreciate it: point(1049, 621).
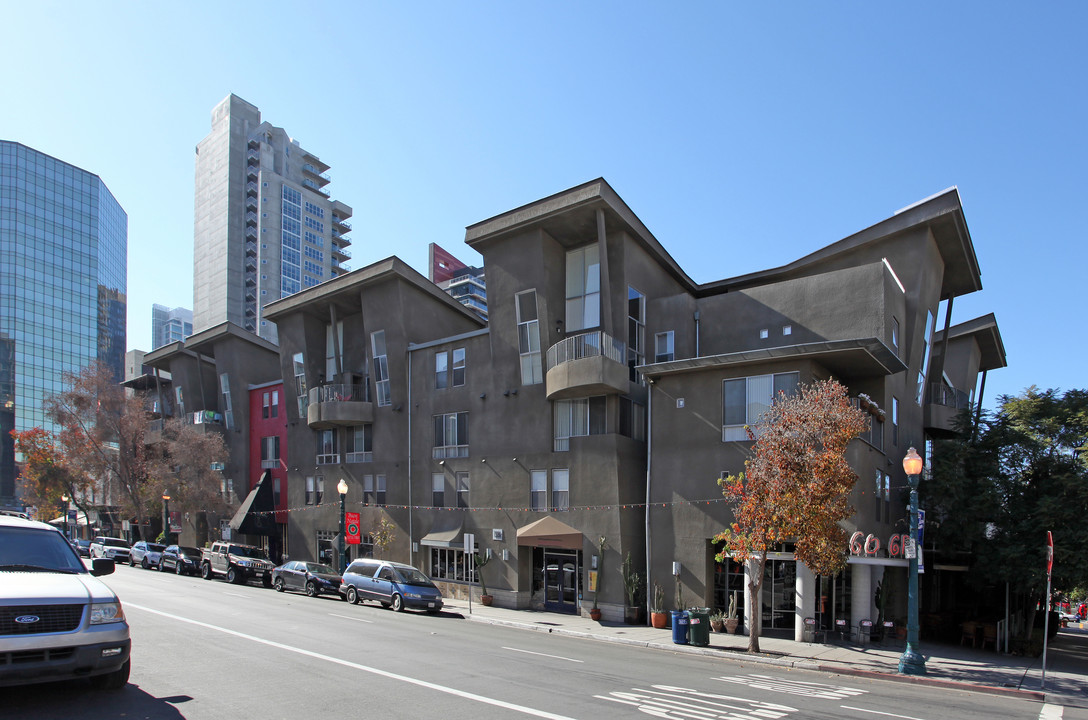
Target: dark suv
point(57, 621)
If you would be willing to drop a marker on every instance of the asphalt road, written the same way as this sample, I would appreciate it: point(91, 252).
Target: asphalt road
point(206, 649)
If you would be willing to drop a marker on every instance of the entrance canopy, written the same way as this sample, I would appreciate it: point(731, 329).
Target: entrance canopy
point(447, 532)
point(549, 532)
point(255, 515)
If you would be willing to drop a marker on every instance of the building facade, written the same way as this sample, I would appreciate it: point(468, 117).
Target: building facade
point(170, 325)
point(63, 287)
point(265, 226)
point(589, 417)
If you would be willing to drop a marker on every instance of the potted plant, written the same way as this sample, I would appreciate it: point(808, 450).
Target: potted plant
point(731, 620)
point(481, 560)
point(595, 612)
point(658, 616)
point(632, 584)
point(717, 619)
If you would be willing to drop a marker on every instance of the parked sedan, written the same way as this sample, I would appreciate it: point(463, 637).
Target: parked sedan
point(313, 578)
point(146, 554)
point(84, 548)
point(180, 559)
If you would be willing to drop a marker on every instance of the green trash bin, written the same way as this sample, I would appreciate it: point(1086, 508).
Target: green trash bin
point(699, 626)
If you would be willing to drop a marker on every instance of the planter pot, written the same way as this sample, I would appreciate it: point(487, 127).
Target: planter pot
point(717, 625)
point(731, 625)
point(594, 614)
point(659, 620)
point(634, 616)
point(486, 599)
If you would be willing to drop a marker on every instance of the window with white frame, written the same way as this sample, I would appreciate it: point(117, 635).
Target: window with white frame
point(450, 435)
point(453, 564)
point(577, 418)
point(328, 448)
point(320, 491)
point(310, 489)
point(441, 370)
point(270, 452)
point(438, 490)
point(462, 489)
point(664, 350)
point(458, 367)
point(379, 489)
point(583, 288)
point(228, 410)
point(381, 369)
point(560, 489)
point(528, 338)
point(744, 400)
point(330, 350)
point(360, 440)
point(538, 490)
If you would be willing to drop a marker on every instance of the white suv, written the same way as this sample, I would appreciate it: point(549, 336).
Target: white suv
point(110, 547)
point(57, 621)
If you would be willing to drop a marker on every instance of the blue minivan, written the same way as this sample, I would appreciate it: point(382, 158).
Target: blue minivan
point(392, 584)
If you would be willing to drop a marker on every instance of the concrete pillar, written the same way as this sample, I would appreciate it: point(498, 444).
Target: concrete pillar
point(861, 594)
point(804, 600)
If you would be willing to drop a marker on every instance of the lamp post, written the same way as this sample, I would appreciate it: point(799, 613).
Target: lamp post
point(911, 661)
point(166, 517)
point(342, 488)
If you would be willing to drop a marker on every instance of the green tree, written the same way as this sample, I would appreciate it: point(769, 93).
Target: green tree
point(795, 487)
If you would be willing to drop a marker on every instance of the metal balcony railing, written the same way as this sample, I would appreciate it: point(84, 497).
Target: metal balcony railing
point(586, 345)
point(340, 393)
point(941, 394)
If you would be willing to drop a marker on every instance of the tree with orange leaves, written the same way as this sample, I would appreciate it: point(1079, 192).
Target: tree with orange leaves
point(44, 478)
point(795, 487)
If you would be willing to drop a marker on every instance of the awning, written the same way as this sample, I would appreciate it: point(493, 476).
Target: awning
point(446, 532)
point(549, 532)
point(255, 516)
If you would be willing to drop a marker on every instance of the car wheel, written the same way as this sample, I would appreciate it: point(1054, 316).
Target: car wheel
point(162, 566)
point(311, 589)
point(266, 581)
point(232, 575)
point(179, 568)
point(398, 603)
point(278, 584)
point(206, 571)
point(114, 680)
point(144, 564)
point(131, 562)
point(353, 595)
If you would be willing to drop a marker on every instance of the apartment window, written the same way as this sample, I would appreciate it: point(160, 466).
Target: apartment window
point(876, 436)
point(331, 364)
point(381, 368)
point(450, 435)
point(787, 330)
point(438, 490)
point(538, 489)
point(275, 403)
point(360, 439)
point(276, 487)
point(560, 489)
point(309, 489)
point(441, 371)
point(879, 494)
point(374, 489)
point(458, 367)
point(379, 489)
point(664, 347)
point(228, 410)
point(270, 452)
point(924, 367)
point(583, 288)
point(883, 496)
point(895, 422)
point(895, 335)
point(744, 400)
point(528, 338)
point(328, 452)
point(266, 405)
point(453, 564)
point(577, 418)
point(300, 383)
point(179, 401)
point(462, 489)
point(632, 419)
point(320, 491)
point(636, 331)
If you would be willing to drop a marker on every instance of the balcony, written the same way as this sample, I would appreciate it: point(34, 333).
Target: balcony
point(330, 406)
point(322, 178)
point(587, 364)
point(341, 224)
point(340, 253)
point(251, 218)
point(251, 233)
point(943, 404)
point(253, 155)
point(253, 171)
point(252, 188)
point(251, 248)
point(251, 202)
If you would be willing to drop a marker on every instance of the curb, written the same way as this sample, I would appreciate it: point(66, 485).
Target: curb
point(804, 664)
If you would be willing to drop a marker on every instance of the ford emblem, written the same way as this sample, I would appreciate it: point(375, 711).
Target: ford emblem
point(27, 619)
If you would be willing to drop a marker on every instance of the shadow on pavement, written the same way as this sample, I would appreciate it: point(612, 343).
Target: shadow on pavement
point(72, 699)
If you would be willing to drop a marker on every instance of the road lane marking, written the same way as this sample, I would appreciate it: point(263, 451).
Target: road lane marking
point(356, 666)
point(236, 594)
point(348, 617)
point(1051, 712)
point(877, 712)
point(794, 687)
point(677, 703)
point(530, 652)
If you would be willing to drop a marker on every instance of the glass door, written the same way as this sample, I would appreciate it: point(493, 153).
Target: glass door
point(561, 580)
point(779, 588)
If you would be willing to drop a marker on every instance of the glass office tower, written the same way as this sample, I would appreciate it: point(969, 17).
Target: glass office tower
point(63, 285)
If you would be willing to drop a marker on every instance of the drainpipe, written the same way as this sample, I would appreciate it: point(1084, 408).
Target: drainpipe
point(649, 458)
point(606, 286)
point(411, 536)
point(696, 333)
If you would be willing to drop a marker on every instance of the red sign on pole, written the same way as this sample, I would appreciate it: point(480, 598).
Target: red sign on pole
point(1049, 551)
point(351, 528)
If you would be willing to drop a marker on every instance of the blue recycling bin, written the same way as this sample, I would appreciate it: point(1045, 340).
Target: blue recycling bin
point(680, 627)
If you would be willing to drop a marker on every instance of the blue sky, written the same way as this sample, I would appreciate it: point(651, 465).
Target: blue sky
point(743, 135)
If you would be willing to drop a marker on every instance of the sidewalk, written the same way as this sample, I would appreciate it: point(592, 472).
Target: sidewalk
point(948, 665)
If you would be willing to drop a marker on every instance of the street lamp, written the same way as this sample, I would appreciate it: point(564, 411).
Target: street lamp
point(342, 488)
point(166, 516)
point(911, 661)
point(67, 532)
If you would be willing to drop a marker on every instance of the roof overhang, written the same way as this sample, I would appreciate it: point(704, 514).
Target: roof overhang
point(985, 332)
point(859, 357)
point(447, 532)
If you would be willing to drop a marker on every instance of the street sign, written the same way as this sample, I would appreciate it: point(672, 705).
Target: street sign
point(1049, 551)
point(352, 533)
point(910, 549)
